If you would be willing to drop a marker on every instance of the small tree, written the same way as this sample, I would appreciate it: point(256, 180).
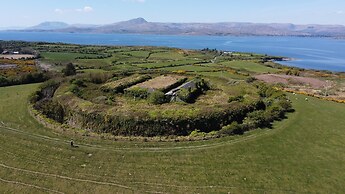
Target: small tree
point(69, 70)
point(157, 97)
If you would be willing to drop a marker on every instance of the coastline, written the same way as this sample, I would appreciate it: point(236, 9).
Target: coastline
point(301, 52)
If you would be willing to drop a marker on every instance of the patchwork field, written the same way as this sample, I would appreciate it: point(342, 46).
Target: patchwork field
point(302, 153)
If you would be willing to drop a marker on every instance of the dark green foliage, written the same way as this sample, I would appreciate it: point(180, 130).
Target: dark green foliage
point(190, 94)
point(99, 78)
point(29, 78)
point(43, 101)
point(34, 97)
point(75, 89)
point(239, 98)
point(78, 82)
point(185, 94)
point(256, 119)
point(293, 72)
point(157, 97)
point(262, 89)
point(52, 83)
point(233, 129)
point(69, 70)
point(201, 84)
point(250, 79)
point(46, 91)
point(140, 124)
point(137, 93)
point(51, 108)
point(4, 81)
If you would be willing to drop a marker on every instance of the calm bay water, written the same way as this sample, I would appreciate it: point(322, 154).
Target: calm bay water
point(310, 53)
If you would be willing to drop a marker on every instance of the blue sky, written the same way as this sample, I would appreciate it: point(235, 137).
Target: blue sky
point(32, 12)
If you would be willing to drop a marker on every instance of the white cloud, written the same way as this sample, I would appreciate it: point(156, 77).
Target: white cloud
point(86, 9)
point(59, 11)
point(340, 12)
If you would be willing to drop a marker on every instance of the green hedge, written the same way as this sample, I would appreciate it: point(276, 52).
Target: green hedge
point(157, 97)
point(137, 93)
point(191, 94)
point(122, 85)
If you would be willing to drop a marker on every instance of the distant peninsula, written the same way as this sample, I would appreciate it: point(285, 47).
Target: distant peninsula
point(141, 26)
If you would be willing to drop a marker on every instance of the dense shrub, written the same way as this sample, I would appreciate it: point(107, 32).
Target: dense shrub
point(69, 70)
point(27, 78)
point(239, 98)
point(250, 79)
point(78, 82)
point(233, 129)
point(234, 118)
point(189, 95)
point(157, 97)
point(51, 108)
point(46, 90)
point(137, 93)
point(256, 119)
point(75, 89)
point(185, 94)
point(99, 78)
point(44, 103)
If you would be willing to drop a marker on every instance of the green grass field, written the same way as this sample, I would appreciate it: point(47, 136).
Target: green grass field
point(249, 66)
point(301, 154)
point(55, 57)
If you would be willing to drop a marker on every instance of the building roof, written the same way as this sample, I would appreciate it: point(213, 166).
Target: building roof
point(187, 85)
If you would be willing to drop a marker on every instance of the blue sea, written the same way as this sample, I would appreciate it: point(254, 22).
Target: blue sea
point(306, 52)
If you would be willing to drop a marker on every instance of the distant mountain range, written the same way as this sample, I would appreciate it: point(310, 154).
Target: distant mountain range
point(141, 26)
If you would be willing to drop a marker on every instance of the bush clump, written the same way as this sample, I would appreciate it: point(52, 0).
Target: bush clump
point(75, 89)
point(190, 94)
point(137, 93)
point(233, 129)
point(46, 90)
point(157, 97)
point(69, 70)
point(238, 98)
point(51, 108)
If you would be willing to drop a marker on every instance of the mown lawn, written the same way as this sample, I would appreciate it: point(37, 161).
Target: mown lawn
point(302, 154)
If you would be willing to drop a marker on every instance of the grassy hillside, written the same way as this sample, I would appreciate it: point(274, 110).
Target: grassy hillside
point(302, 154)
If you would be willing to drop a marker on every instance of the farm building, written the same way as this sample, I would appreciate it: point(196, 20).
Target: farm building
point(172, 94)
point(5, 52)
point(187, 85)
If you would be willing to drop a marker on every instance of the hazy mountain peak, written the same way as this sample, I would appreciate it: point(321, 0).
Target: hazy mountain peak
point(137, 21)
point(52, 25)
point(141, 26)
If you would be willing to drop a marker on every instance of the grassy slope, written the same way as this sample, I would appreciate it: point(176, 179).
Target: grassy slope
point(304, 153)
point(54, 57)
point(250, 66)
